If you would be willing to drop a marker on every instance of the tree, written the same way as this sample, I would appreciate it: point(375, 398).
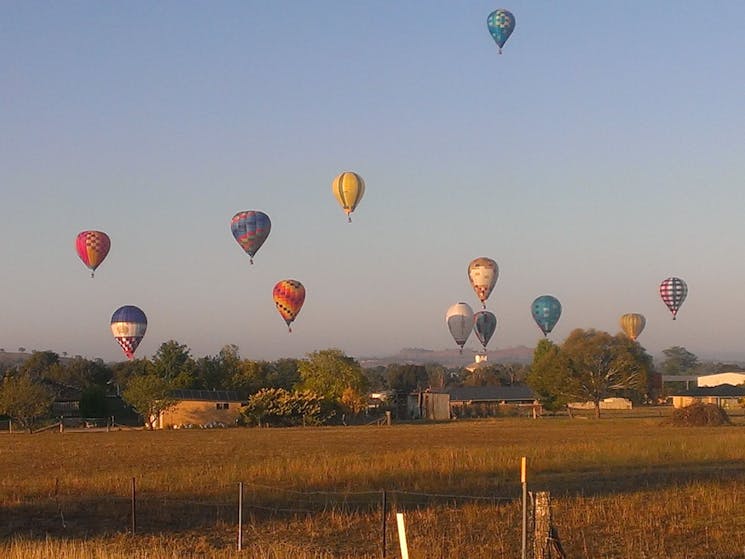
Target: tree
point(678, 361)
point(407, 378)
point(173, 363)
point(24, 400)
point(149, 395)
point(329, 373)
point(487, 375)
point(599, 364)
point(549, 377)
point(589, 366)
point(40, 363)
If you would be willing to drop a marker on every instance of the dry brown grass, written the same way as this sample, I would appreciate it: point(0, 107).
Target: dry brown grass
point(622, 487)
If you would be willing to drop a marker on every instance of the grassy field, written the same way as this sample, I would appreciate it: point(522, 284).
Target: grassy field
point(621, 487)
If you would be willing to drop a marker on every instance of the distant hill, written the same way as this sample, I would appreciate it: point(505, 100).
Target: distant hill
point(449, 357)
point(12, 357)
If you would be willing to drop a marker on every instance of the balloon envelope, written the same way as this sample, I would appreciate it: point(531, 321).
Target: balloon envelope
point(483, 273)
point(128, 324)
point(673, 292)
point(484, 324)
point(546, 311)
point(632, 324)
point(92, 247)
point(348, 189)
point(501, 23)
point(459, 318)
point(289, 296)
point(250, 229)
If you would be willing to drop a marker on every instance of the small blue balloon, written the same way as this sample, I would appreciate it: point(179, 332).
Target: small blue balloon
point(546, 311)
point(501, 23)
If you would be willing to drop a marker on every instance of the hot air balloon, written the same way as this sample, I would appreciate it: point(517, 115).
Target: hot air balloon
point(289, 296)
point(673, 292)
point(501, 23)
point(128, 324)
point(632, 324)
point(459, 319)
point(546, 311)
point(348, 188)
point(483, 273)
point(250, 229)
point(92, 248)
point(484, 324)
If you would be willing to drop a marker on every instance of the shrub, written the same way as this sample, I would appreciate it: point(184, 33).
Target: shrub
point(699, 415)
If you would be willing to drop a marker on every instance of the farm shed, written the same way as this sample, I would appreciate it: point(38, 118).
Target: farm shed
point(484, 401)
point(202, 408)
point(724, 395)
point(433, 406)
point(605, 404)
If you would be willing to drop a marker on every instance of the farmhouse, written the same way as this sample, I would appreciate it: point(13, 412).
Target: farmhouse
point(202, 408)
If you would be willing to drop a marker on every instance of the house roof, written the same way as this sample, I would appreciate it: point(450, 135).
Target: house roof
point(209, 395)
point(518, 393)
point(720, 391)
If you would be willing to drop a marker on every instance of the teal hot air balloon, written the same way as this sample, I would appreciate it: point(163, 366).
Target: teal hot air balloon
point(484, 325)
point(501, 23)
point(546, 311)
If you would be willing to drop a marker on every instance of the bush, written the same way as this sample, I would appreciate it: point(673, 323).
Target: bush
point(701, 415)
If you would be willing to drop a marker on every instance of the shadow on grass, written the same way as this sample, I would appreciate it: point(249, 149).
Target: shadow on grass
point(81, 516)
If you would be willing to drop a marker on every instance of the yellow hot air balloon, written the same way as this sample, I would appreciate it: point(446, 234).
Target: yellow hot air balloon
point(348, 188)
point(632, 324)
point(483, 273)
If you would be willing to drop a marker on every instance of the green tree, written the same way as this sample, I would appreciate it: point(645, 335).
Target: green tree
point(549, 377)
point(407, 378)
point(173, 363)
point(679, 361)
point(40, 364)
point(600, 364)
point(329, 373)
point(24, 400)
point(280, 407)
point(93, 402)
point(149, 395)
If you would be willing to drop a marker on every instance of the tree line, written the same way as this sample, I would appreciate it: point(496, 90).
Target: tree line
point(327, 385)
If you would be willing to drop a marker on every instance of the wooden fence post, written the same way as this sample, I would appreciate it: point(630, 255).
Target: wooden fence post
point(384, 517)
point(546, 544)
point(240, 516)
point(134, 507)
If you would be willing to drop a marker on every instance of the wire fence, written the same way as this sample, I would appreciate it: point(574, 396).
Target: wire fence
point(238, 506)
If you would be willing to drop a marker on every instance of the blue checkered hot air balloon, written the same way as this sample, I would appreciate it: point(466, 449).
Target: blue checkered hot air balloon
point(501, 23)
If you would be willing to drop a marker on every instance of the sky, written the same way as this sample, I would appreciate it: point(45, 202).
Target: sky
point(601, 153)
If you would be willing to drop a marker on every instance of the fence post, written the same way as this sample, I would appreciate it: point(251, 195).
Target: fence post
point(402, 535)
point(546, 539)
point(134, 507)
point(384, 516)
point(524, 482)
point(240, 516)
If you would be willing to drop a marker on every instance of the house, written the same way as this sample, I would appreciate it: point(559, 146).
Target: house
point(724, 395)
point(483, 401)
point(202, 408)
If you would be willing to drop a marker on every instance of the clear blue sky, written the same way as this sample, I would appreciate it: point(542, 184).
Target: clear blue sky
point(600, 154)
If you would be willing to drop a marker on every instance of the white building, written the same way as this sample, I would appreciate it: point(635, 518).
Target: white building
point(721, 378)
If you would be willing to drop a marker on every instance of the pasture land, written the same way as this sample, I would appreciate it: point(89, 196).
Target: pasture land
point(622, 487)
